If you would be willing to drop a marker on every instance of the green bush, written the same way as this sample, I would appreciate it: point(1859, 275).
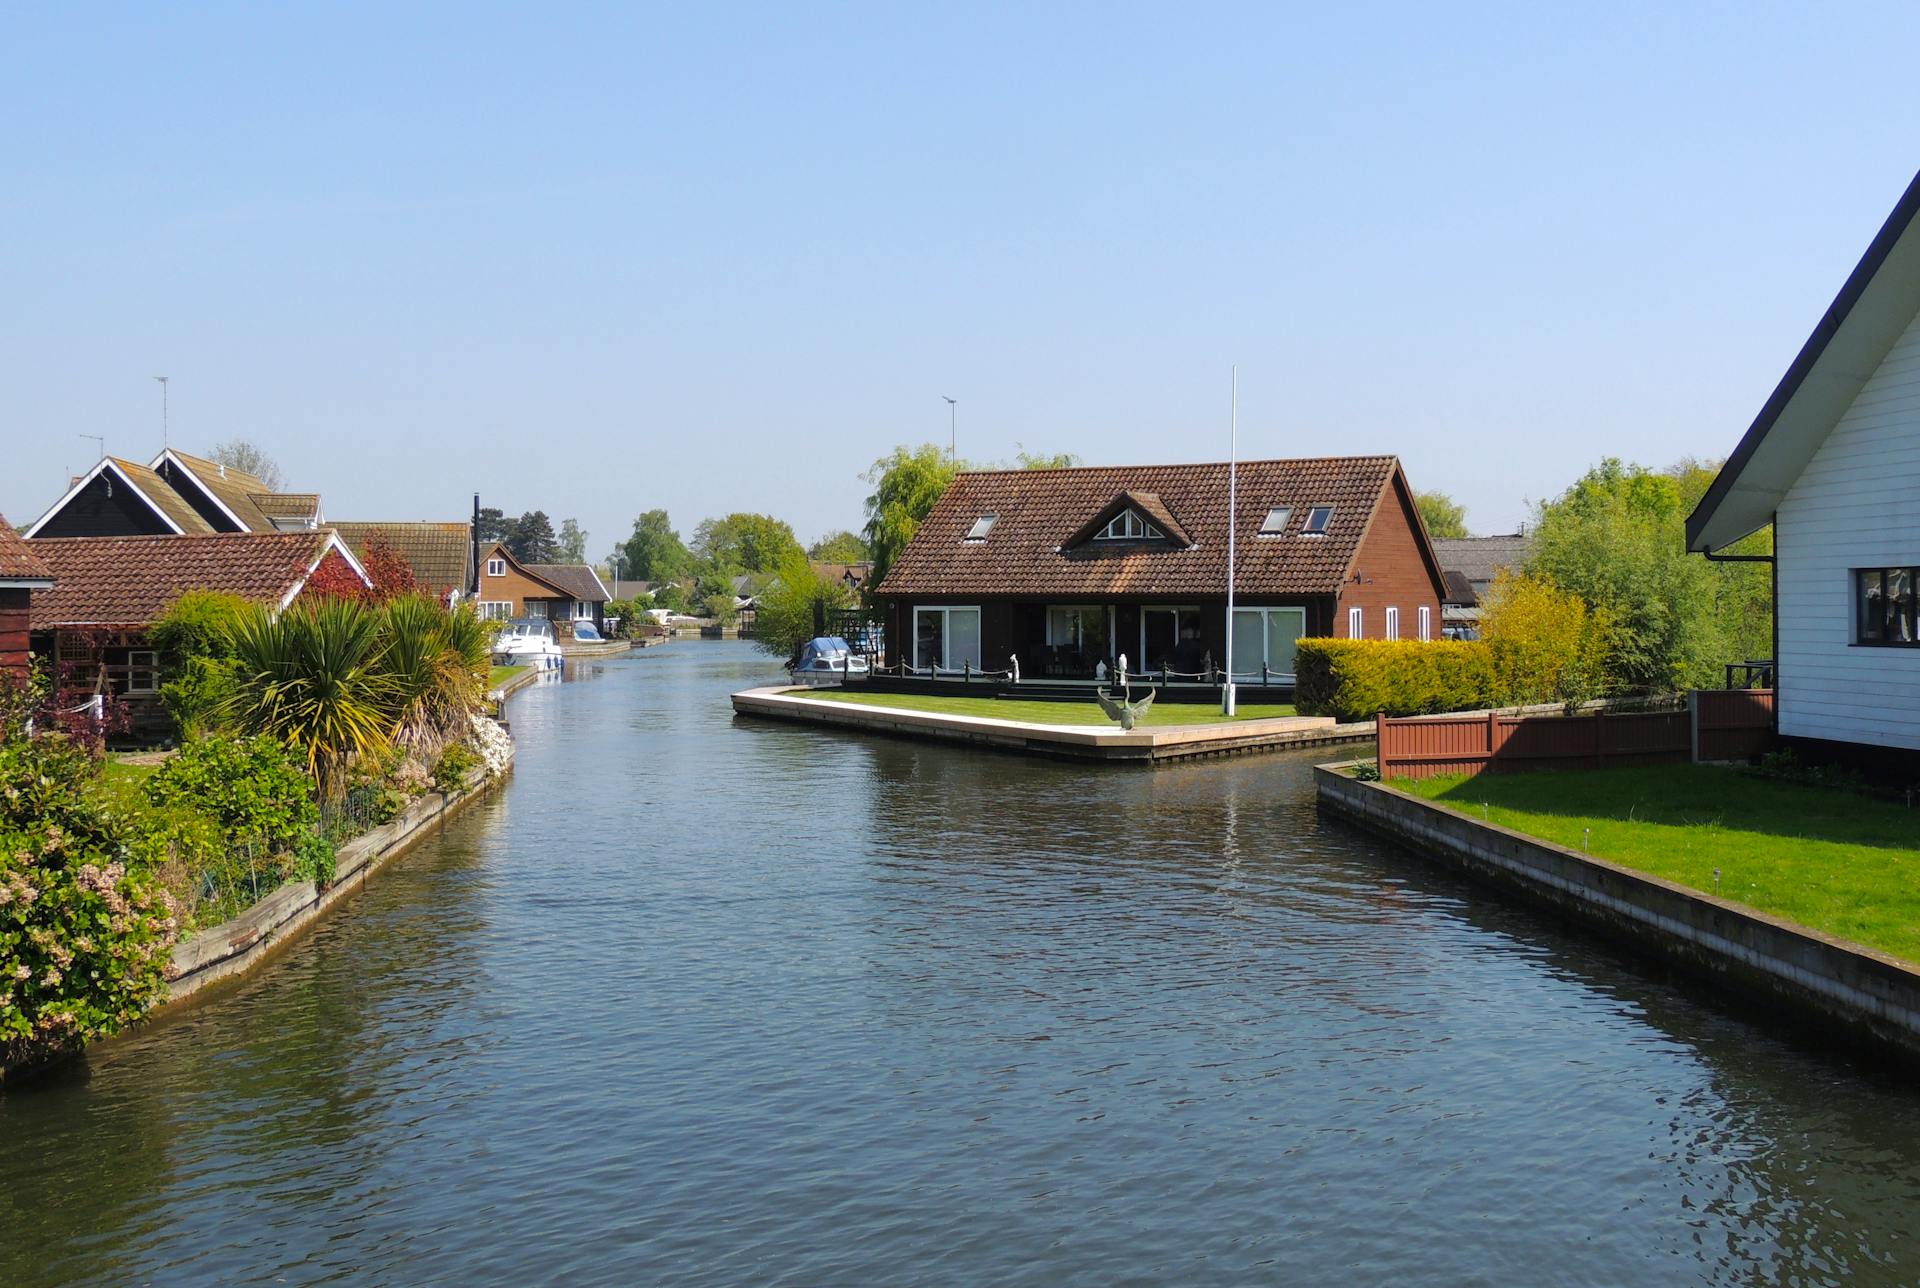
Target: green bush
point(254, 789)
point(315, 858)
point(85, 928)
point(1355, 679)
point(456, 763)
point(195, 641)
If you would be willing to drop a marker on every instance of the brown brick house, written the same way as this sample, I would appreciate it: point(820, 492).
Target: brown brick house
point(1068, 569)
point(22, 572)
point(560, 593)
point(91, 623)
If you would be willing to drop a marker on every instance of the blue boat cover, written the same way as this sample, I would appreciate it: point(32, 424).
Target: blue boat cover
point(815, 652)
point(585, 631)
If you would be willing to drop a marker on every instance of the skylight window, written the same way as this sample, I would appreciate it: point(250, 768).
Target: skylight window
point(1276, 521)
point(1129, 526)
point(981, 527)
point(1317, 520)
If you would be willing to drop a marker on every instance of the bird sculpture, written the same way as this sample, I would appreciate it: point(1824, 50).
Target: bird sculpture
point(1127, 713)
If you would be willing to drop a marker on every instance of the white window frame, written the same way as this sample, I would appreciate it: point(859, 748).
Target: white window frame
point(1356, 623)
point(496, 567)
point(150, 667)
point(1269, 528)
point(1266, 615)
point(1307, 528)
point(981, 527)
point(946, 612)
point(1129, 525)
point(1426, 623)
point(1393, 623)
point(494, 610)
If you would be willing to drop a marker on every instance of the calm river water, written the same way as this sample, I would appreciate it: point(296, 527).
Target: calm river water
point(712, 1002)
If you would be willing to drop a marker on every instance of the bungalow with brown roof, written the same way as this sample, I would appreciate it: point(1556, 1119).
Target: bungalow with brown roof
point(1068, 569)
point(107, 591)
point(174, 493)
point(21, 573)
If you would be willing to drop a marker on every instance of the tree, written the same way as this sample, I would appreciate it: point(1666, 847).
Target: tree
point(838, 547)
point(745, 542)
point(1444, 516)
point(531, 539)
point(905, 486)
point(249, 458)
point(1036, 461)
point(1617, 539)
point(573, 542)
point(784, 613)
point(1547, 644)
point(654, 552)
point(491, 525)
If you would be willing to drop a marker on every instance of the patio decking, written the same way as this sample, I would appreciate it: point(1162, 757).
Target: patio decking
point(1075, 742)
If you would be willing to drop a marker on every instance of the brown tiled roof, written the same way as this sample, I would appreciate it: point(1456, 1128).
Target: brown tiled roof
point(1480, 559)
point(161, 493)
point(1030, 551)
point(577, 580)
point(17, 560)
point(235, 488)
point(859, 572)
point(437, 552)
point(131, 581)
point(287, 505)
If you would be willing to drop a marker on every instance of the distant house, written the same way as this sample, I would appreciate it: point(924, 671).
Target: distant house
point(1068, 569)
point(850, 575)
point(562, 593)
point(1833, 463)
point(174, 493)
point(22, 572)
point(91, 623)
point(1471, 565)
point(440, 554)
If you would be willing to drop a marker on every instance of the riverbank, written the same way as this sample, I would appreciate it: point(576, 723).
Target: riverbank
point(1848, 990)
point(1111, 745)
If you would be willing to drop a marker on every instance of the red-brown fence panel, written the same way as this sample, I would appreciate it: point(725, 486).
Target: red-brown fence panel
point(1733, 724)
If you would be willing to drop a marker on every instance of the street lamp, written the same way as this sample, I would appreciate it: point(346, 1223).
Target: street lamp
point(953, 437)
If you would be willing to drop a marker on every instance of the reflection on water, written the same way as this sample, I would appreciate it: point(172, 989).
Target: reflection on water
point(723, 1001)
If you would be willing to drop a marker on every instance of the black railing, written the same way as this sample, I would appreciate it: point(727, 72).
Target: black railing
point(1753, 675)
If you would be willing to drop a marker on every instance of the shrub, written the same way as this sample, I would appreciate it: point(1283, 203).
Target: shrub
point(85, 928)
point(1355, 679)
point(1547, 644)
point(252, 788)
point(315, 858)
point(455, 764)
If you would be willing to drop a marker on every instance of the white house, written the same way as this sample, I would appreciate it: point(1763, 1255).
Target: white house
point(1833, 462)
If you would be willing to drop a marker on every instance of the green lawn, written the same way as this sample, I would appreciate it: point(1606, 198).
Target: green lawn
point(1057, 713)
point(501, 674)
point(1837, 862)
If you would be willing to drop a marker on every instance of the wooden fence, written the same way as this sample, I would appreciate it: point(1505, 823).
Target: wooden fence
point(1716, 725)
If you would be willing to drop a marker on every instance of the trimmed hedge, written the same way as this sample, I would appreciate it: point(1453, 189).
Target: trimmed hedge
point(1352, 680)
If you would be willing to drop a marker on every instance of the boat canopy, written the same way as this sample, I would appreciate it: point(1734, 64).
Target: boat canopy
point(823, 649)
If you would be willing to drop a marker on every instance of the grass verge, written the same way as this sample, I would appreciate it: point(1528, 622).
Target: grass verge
point(1833, 861)
point(1052, 713)
point(501, 674)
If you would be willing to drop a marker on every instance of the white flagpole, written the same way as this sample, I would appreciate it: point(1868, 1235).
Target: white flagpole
point(1233, 523)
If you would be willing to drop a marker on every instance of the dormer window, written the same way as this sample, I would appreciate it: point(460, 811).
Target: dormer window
point(1317, 520)
point(1129, 526)
point(981, 527)
point(1276, 521)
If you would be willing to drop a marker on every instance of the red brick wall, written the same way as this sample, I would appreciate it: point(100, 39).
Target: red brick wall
point(13, 633)
point(1393, 573)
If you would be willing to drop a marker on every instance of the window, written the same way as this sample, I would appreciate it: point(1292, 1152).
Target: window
point(1884, 601)
point(494, 610)
point(1393, 623)
point(1317, 520)
point(1276, 521)
point(1426, 622)
point(1129, 526)
point(143, 671)
point(981, 527)
point(1355, 625)
point(1266, 637)
point(496, 567)
point(946, 639)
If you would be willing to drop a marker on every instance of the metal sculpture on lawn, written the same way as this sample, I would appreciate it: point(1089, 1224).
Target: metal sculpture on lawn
point(1126, 711)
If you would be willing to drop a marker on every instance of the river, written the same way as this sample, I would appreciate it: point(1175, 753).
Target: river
point(712, 1001)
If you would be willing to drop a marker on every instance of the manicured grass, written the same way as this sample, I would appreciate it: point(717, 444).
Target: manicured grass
point(1833, 861)
point(1160, 716)
point(501, 674)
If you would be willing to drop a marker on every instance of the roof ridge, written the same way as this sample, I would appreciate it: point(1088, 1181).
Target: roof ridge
point(1181, 465)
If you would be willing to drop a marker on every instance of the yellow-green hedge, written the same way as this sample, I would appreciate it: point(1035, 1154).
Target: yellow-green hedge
point(1355, 679)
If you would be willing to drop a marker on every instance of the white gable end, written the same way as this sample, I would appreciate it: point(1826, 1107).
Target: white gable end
point(1855, 505)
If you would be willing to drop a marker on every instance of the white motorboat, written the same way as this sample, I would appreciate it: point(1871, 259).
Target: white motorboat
point(828, 661)
point(528, 641)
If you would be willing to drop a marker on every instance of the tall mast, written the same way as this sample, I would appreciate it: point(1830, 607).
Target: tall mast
point(1233, 524)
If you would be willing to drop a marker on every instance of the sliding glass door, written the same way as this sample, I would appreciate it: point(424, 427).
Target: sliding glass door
point(1266, 636)
point(946, 639)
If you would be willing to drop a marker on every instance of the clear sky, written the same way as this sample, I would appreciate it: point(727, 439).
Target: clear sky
point(714, 258)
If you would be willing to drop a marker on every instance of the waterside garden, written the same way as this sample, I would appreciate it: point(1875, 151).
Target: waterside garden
point(298, 731)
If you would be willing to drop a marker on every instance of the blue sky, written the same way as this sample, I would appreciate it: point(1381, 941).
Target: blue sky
point(598, 260)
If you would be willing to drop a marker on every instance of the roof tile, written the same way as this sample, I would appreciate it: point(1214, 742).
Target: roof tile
point(132, 581)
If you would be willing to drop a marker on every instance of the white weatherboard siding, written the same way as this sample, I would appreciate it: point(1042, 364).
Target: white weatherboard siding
point(1856, 505)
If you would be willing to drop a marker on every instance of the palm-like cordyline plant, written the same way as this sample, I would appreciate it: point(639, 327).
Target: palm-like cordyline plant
point(438, 661)
point(312, 677)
